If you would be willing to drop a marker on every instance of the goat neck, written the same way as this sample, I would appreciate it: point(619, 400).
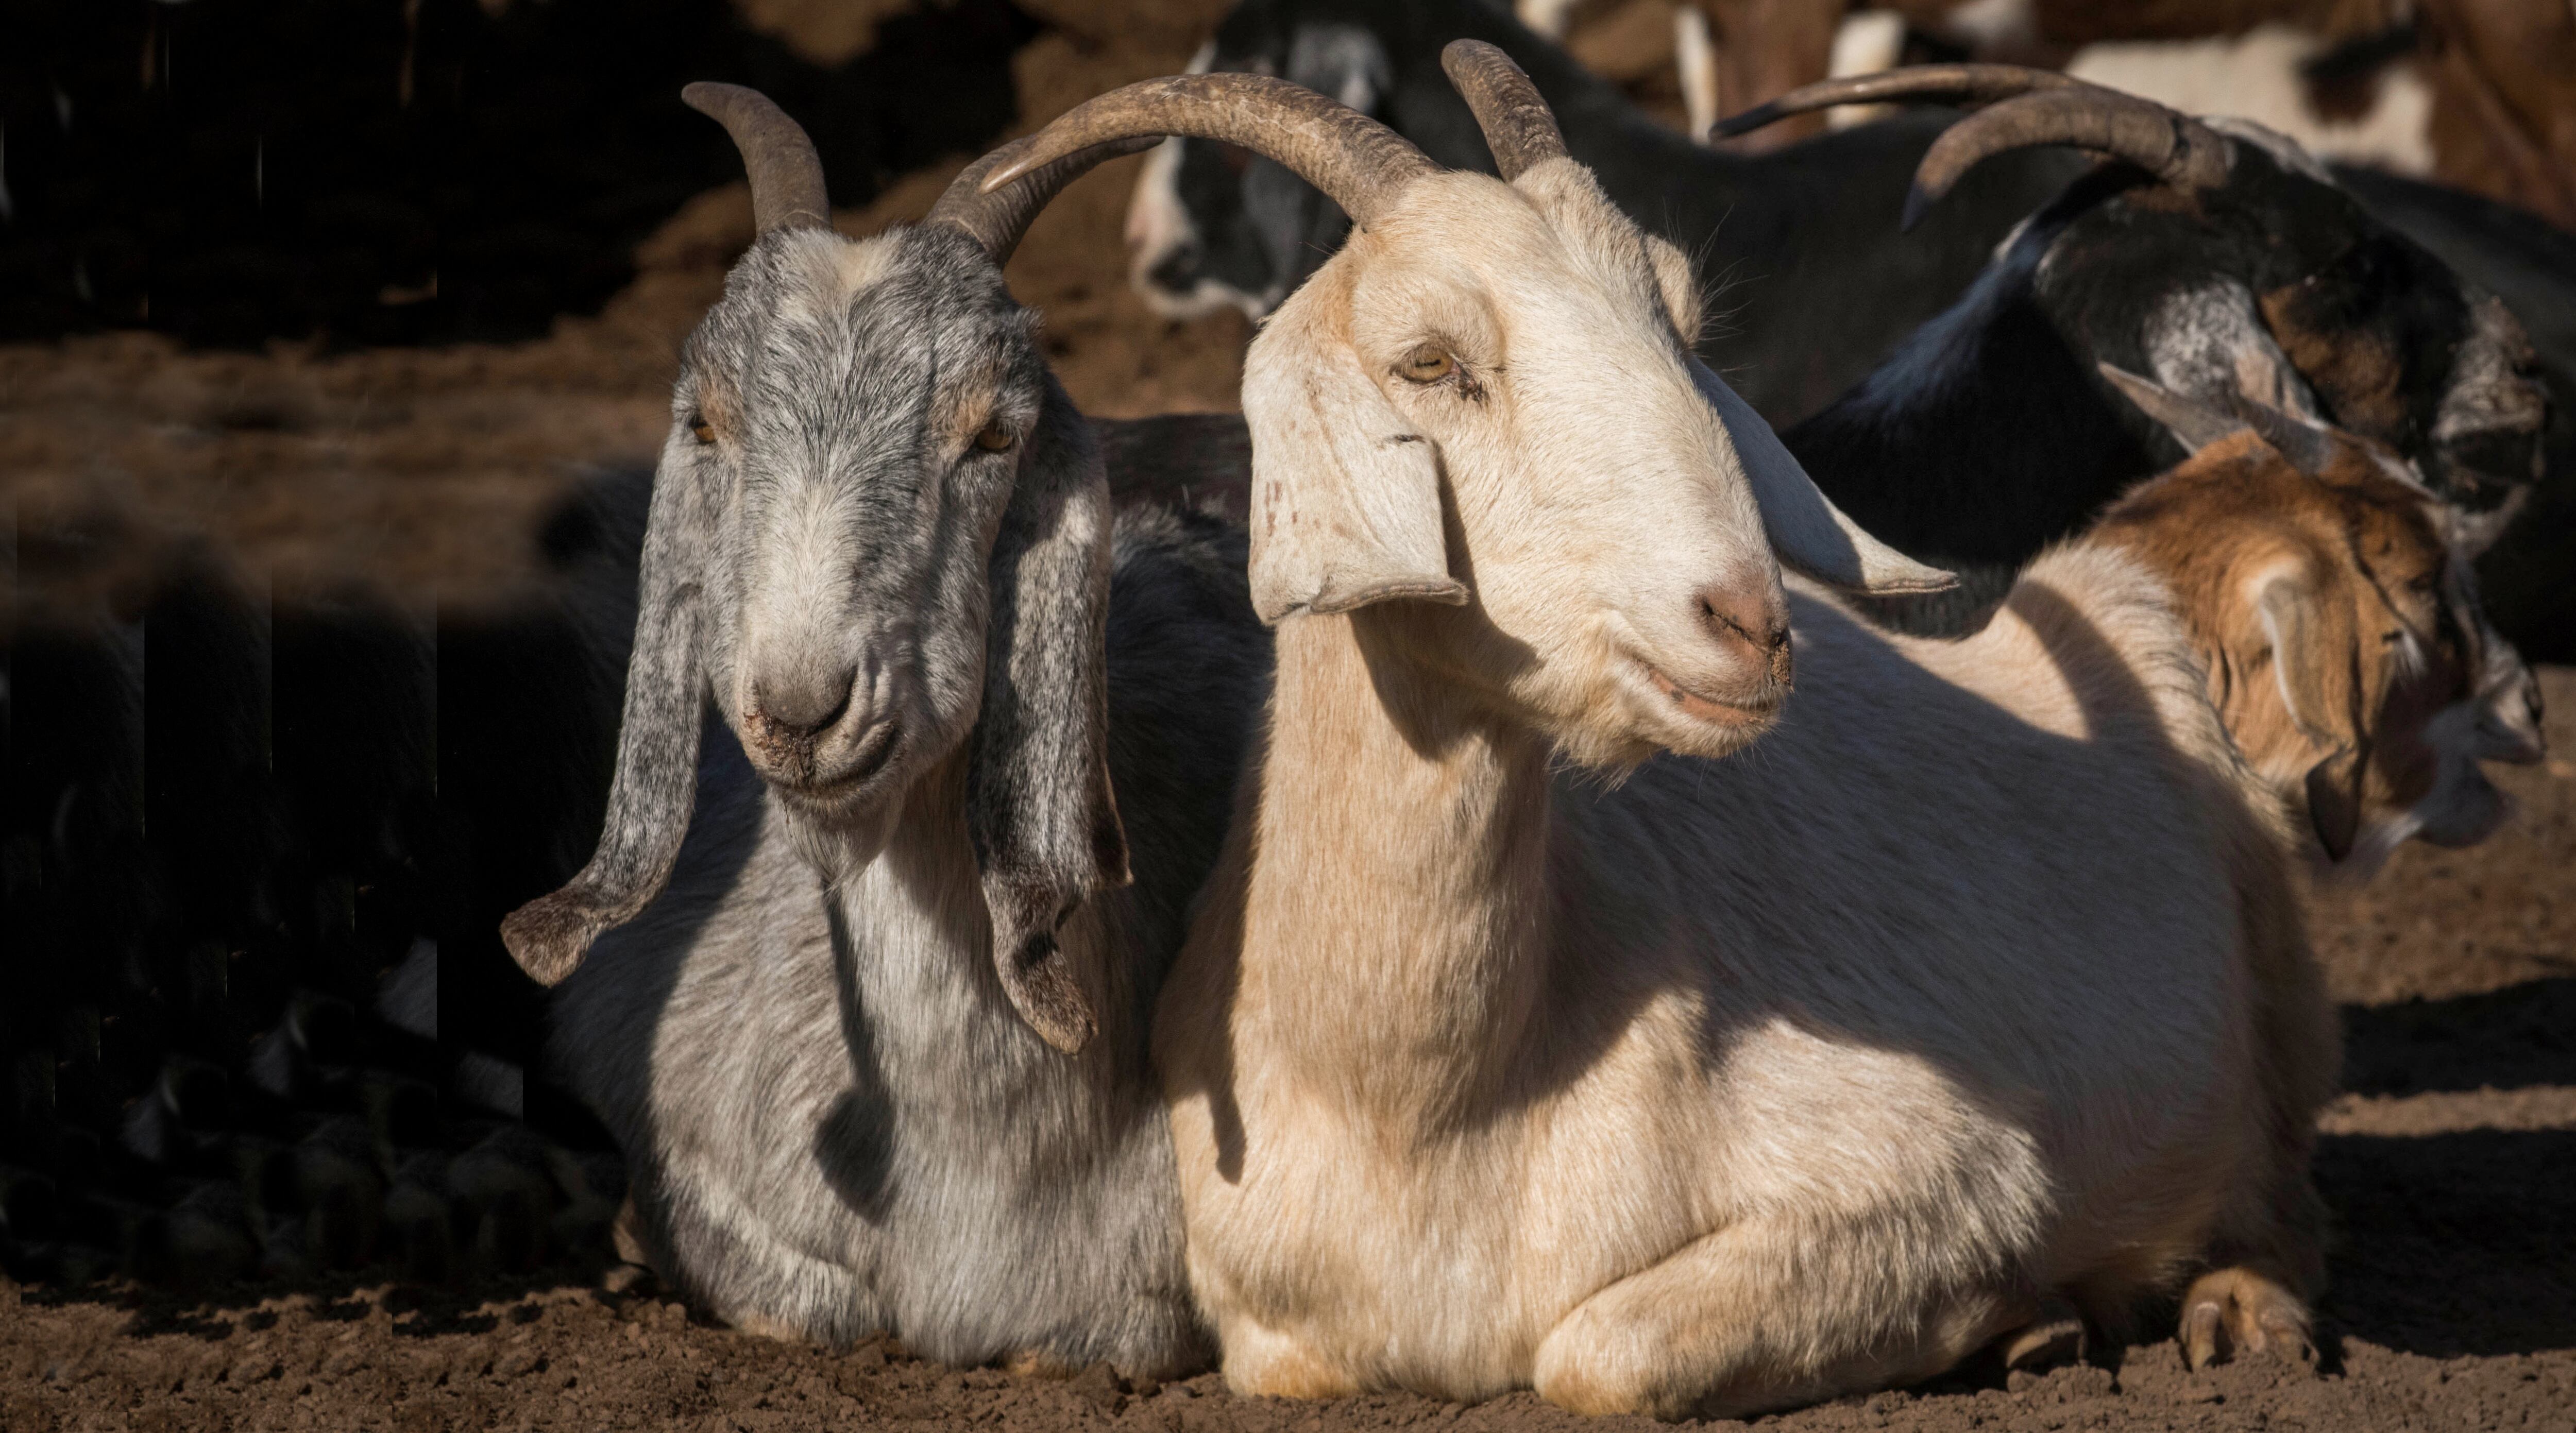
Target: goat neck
point(1430, 838)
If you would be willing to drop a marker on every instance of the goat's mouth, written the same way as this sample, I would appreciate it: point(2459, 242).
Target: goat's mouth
point(1762, 709)
point(830, 795)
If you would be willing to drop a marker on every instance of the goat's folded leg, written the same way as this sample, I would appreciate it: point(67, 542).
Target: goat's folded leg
point(2243, 1310)
point(1736, 1324)
point(1262, 1363)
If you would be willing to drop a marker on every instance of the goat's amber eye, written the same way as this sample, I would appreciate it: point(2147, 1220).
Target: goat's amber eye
point(997, 437)
point(1428, 365)
point(702, 430)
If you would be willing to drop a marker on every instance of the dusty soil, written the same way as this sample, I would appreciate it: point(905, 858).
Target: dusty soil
point(2449, 1166)
point(425, 471)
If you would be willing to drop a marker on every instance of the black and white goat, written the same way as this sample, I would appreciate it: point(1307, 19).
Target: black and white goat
point(1822, 285)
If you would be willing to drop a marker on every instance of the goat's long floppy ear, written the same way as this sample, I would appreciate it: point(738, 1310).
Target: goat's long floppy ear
point(1038, 803)
point(1806, 530)
point(657, 746)
point(1345, 494)
point(2316, 667)
point(2308, 445)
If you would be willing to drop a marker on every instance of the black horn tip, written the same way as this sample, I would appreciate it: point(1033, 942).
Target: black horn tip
point(549, 936)
point(1747, 122)
point(1918, 202)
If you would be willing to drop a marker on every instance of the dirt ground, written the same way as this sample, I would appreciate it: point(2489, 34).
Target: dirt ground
point(2450, 1164)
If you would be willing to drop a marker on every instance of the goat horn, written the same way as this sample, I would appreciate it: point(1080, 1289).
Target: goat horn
point(1359, 162)
point(1518, 126)
point(998, 219)
point(2175, 148)
point(786, 175)
point(1963, 85)
point(2030, 107)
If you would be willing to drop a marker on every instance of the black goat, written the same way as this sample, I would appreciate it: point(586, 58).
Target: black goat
point(2215, 256)
point(1814, 281)
point(2529, 575)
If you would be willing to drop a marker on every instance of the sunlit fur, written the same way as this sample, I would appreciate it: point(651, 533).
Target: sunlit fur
point(1725, 1084)
point(835, 1120)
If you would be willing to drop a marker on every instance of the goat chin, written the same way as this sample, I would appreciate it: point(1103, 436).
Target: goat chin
point(1752, 1081)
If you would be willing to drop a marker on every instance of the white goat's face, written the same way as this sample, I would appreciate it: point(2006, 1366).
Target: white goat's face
point(1509, 359)
point(857, 415)
point(1487, 400)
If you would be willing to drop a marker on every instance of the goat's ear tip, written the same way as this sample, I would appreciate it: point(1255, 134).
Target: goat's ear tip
point(549, 936)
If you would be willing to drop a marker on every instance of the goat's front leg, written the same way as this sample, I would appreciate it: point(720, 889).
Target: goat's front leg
point(1735, 1324)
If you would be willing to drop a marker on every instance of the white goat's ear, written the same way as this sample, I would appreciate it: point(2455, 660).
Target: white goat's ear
point(655, 786)
point(1345, 494)
point(1806, 530)
point(1039, 809)
point(1679, 284)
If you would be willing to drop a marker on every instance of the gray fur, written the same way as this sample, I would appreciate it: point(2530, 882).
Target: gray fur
point(835, 1099)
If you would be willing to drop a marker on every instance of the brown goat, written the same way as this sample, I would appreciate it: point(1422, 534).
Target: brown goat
point(2343, 640)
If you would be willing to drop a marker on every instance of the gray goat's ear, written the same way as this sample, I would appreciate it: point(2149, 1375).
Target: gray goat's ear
point(1345, 494)
point(1805, 529)
point(657, 745)
point(1038, 804)
point(2308, 445)
point(2194, 425)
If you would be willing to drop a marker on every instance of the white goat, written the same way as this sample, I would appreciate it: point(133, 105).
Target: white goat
point(1973, 991)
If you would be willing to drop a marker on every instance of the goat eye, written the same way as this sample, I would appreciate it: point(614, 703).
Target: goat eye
point(702, 430)
point(996, 437)
point(1428, 365)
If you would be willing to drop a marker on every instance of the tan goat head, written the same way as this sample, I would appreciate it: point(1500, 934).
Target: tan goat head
point(2346, 647)
point(1487, 402)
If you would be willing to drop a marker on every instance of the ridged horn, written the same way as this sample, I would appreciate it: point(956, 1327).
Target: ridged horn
point(1357, 161)
point(2175, 148)
point(2026, 107)
point(1519, 128)
point(999, 219)
point(1964, 85)
point(786, 175)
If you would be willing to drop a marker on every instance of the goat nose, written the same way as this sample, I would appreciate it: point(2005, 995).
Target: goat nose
point(1750, 619)
point(807, 703)
point(1178, 269)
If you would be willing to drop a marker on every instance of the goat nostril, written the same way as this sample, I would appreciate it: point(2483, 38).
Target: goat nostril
point(1177, 270)
point(1745, 618)
point(803, 709)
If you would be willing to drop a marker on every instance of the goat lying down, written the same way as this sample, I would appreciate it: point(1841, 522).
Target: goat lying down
point(1975, 989)
point(2342, 637)
point(881, 540)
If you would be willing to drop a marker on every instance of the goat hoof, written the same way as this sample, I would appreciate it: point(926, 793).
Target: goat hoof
point(2237, 1311)
point(2052, 1340)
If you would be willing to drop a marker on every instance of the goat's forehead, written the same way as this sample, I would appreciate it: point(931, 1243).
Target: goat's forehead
point(1531, 244)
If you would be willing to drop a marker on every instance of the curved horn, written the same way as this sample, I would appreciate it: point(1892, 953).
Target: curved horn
point(786, 176)
point(1518, 126)
point(1964, 85)
point(1357, 161)
point(997, 220)
point(2029, 107)
point(2175, 148)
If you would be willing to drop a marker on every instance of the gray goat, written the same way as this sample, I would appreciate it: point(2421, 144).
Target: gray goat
point(881, 538)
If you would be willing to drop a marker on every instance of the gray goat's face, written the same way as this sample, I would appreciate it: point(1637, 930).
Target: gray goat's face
point(857, 414)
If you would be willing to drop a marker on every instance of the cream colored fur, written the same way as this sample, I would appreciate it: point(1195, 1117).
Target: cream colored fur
point(1702, 1086)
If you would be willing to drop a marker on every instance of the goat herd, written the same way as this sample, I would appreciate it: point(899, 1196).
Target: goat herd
point(1558, 898)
